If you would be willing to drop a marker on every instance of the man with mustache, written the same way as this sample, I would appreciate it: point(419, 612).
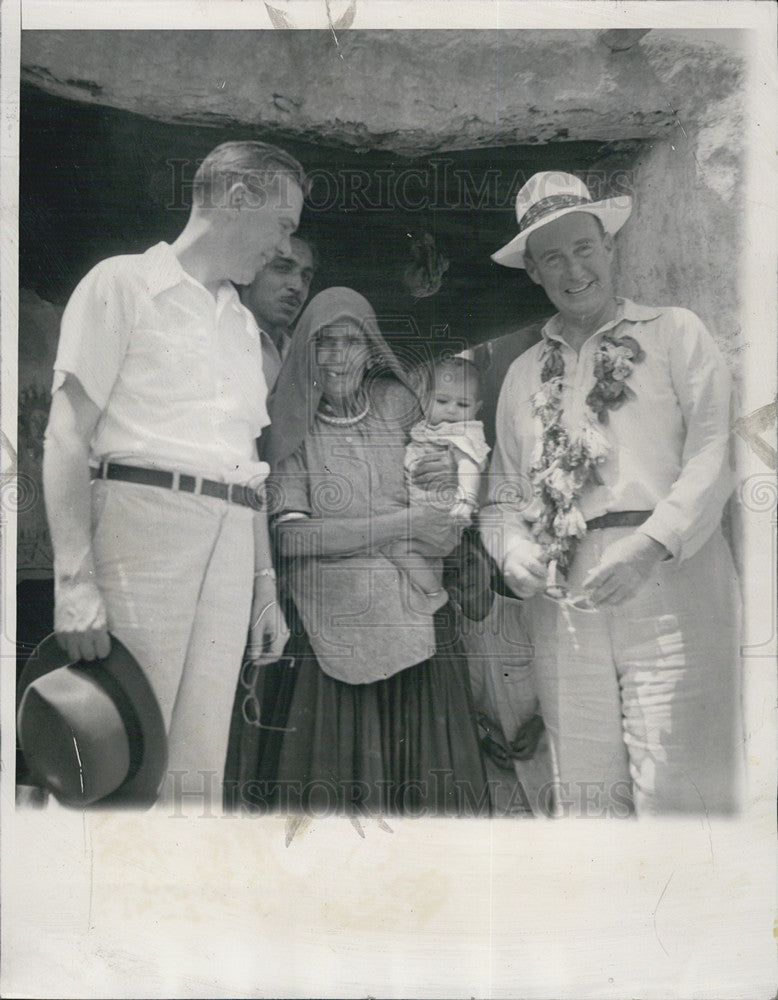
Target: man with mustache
point(608, 482)
point(275, 298)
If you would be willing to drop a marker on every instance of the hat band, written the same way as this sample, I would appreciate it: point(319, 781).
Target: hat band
point(126, 710)
point(548, 205)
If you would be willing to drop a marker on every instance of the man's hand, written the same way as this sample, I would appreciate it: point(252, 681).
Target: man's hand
point(268, 633)
point(625, 565)
point(495, 751)
point(80, 620)
point(435, 473)
point(524, 568)
point(526, 742)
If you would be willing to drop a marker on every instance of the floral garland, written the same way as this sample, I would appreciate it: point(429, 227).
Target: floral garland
point(563, 463)
point(613, 364)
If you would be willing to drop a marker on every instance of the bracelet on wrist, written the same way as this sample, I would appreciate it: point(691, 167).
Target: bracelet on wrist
point(268, 571)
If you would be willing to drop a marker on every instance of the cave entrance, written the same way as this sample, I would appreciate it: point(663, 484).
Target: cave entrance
point(413, 234)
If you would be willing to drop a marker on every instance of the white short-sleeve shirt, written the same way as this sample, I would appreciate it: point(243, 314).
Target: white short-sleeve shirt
point(176, 372)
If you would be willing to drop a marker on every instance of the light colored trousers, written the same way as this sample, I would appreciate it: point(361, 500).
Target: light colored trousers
point(175, 571)
point(642, 701)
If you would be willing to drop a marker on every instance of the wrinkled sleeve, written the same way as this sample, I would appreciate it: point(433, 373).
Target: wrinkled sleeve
point(686, 518)
point(502, 519)
point(287, 486)
point(95, 332)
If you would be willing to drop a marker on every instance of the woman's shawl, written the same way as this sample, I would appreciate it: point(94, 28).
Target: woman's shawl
point(295, 398)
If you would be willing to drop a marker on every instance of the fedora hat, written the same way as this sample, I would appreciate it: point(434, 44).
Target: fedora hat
point(550, 195)
point(91, 731)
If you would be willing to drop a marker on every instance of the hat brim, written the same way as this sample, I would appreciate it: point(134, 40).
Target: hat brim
point(141, 790)
point(612, 213)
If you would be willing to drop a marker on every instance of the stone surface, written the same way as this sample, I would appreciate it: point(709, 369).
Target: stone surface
point(667, 109)
point(681, 246)
point(411, 92)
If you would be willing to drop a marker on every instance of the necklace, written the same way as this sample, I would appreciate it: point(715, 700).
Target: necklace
point(565, 462)
point(343, 421)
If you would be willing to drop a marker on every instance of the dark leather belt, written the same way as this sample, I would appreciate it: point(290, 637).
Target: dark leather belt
point(246, 496)
point(619, 519)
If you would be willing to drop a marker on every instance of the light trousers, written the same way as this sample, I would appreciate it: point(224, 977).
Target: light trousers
point(642, 701)
point(175, 571)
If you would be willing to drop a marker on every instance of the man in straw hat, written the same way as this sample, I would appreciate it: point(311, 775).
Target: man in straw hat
point(154, 490)
point(608, 482)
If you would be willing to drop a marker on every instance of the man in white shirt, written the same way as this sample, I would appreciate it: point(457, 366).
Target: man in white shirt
point(158, 399)
point(608, 482)
point(275, 297)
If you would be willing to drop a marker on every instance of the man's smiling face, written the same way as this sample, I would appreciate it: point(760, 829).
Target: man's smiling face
point(572, 259)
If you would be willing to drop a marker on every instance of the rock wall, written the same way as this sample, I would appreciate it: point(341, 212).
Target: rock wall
point(412, 92)
point(681, 244)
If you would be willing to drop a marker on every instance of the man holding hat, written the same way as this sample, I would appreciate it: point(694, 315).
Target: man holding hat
point(608, 482)
point(153, 487)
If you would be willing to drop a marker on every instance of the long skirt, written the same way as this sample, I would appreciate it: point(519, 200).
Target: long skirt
point(405, 745)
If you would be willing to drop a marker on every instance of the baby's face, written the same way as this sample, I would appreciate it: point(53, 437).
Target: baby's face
point(454, 396)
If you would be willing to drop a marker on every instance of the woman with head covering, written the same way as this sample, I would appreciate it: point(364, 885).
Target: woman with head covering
point(370, 709)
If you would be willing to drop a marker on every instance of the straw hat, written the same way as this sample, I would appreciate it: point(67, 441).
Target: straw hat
point(549, 195)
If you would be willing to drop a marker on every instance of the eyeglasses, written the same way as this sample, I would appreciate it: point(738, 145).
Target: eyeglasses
point(558, 593)
point(250, 707)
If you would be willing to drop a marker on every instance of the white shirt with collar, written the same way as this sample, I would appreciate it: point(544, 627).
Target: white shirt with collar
point(176, 372)
point(669, 443)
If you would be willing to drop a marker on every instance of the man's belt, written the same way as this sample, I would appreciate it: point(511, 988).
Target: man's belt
point(237, 493)
point(619, 519)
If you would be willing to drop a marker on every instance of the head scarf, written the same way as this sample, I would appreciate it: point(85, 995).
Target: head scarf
point(297, 392)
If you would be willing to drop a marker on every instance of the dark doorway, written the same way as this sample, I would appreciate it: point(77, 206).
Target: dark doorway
point(97, 182)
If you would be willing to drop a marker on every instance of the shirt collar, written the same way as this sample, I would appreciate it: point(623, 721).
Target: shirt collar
point(278, 349)
point(162, 270)
point(627, 311)
point(268, 344)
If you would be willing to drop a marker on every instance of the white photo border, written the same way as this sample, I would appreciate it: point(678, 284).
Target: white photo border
point(145, 905)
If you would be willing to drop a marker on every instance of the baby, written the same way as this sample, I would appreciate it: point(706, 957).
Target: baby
point(449, 424)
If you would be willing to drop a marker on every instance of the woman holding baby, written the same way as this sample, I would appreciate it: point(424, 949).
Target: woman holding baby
point(370, 710)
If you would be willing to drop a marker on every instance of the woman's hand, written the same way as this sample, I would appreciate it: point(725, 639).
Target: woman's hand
point(435, 528)
point(435, 473)
point(268, 633)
